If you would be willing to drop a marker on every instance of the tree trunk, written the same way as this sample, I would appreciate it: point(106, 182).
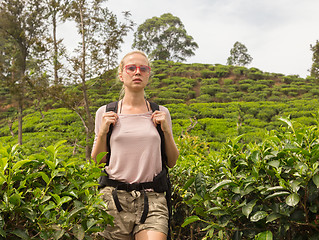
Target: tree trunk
point(55, 57)
point(90, 122)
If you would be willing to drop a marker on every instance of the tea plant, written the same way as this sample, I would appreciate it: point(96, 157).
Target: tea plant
point(266, 190)
point(45, 197)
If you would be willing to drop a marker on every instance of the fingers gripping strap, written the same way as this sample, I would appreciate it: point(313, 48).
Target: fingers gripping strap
point(111, 107)
point(155, 107)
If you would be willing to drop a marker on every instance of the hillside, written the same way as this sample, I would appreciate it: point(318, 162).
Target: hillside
point(211, 101)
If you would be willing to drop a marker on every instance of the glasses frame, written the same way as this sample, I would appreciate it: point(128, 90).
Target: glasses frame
point(137, 67)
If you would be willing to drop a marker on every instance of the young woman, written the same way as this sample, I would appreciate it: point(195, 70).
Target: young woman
point(136, 155)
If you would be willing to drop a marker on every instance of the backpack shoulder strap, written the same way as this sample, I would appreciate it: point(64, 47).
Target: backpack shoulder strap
point(110, 107)
point(155, 107)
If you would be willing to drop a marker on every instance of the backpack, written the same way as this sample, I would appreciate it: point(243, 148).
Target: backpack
point(160, 183)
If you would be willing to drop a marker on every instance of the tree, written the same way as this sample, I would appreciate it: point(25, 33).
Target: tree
point(239, 55)
point(22, 27)
point(55, 11)
point(314, 71)
point(164, 38)
point(101, 37)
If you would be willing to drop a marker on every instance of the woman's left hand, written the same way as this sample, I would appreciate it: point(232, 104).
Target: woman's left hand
point(159, 117)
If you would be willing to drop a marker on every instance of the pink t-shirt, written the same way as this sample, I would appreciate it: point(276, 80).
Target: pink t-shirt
point(136, 147)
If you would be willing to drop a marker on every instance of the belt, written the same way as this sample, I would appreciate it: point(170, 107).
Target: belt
point(159, 184)
point(130, 187)
point(119, 207)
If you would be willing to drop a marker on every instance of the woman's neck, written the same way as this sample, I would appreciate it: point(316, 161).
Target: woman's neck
point(134, 104)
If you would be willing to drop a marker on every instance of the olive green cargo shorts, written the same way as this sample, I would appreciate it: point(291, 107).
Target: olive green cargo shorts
point(127, 222)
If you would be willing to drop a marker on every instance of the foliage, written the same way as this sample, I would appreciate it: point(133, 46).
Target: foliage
point(256, 190)
point(315, 58)
point(21, 50)
point(239, 56)
point(164, 38)
point(45, 197)
point(101, 36)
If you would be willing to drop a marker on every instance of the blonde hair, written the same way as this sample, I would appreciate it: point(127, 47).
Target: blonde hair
point(121, 67)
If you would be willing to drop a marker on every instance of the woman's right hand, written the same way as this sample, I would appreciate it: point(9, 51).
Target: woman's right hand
point(108, 118)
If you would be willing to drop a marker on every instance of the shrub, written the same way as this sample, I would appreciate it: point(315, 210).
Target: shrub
point(228, 81)
point(207, 73)
point(210, 81)
point(266, 190)
point(211, 89)
point(203, 98)
point(244, 86)
point(239, 71)
point(46, 197)
point(221, 71)
point(255, 74)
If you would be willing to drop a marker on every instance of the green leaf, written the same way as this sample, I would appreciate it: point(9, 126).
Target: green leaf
point(277, 194)
point(50, 164)
point(258, 216)
point(267, 235)
point(48, 207)
point(3, 163)
point(21, 234)
point(275, 188)
point(71, 193)
point(274, 163)
point(89, 184)
point(74, 212)
point(255, 156)
point(58, 144)
point(3, 178)
point(295, 185)
point(272, 217)
point(59, 233)
point(3, 233)
point(100, 156)
point(78, 232)
point(15, 199)
point(200, 184)
point(221, 184)
point(90, 223)
point(287, 121)
point(315, 180)
point(65, 199)
point(45, 198)
point(44, 177)
point(293, 199)
point(19, 164)
point(56, 198)
point(247, 209)
point(190, 220)
point(51, 150)
point(188, 183)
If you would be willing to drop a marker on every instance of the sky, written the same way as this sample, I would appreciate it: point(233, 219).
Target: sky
point(277, 33)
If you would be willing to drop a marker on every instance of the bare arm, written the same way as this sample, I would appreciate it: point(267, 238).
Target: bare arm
point(160, 117)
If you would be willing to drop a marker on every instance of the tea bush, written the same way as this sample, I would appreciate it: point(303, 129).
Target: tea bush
point(43, 196)
point(266, 190)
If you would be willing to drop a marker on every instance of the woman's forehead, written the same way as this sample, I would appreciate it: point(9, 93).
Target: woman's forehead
point(136, 58)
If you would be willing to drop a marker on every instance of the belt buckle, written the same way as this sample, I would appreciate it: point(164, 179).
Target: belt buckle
point(134, 186)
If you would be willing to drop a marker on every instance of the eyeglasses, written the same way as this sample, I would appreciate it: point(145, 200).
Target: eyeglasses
point(131, 69)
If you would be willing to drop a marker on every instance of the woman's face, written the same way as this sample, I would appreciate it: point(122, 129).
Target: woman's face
point(136, 72)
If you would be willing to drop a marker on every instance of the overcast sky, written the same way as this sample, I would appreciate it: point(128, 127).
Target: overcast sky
point(277, 33)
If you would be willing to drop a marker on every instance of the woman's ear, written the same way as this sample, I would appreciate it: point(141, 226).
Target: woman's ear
point(121, 77)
